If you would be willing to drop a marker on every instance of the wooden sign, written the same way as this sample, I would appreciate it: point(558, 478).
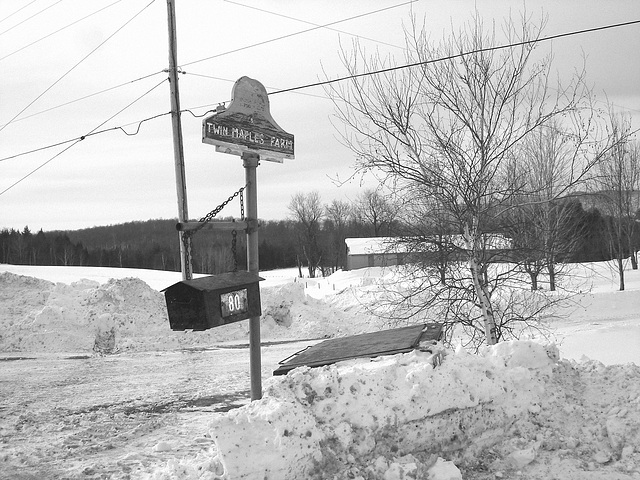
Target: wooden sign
point(247, 125)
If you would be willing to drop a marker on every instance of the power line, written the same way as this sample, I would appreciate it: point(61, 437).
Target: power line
point(76, 65)
point(298, 33)
point(85, 97)
point(59, 30)
point(17, 11)
point(314, 24)
point(295, 89)
point(457, 55)
point(79, 139)
point(98, 132)
point(29, 18)
point(233, 81)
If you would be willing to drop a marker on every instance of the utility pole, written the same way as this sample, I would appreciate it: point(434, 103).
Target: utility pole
point(178, 150)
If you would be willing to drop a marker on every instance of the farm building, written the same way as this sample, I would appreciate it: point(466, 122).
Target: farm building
point(388, 251)
point(374, 252)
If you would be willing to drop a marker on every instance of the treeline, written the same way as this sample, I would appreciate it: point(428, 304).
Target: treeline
point(153, 244)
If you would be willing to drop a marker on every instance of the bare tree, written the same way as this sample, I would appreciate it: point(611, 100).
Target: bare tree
point(633, 205)
point(543, 224)
point(618, 181)
point(448, 128)
point(338, 214)
point(307, 210)
point(374, 208)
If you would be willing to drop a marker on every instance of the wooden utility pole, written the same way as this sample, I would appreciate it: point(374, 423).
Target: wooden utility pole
point(178, 150)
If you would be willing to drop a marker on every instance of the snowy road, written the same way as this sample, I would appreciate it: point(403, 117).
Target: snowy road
point(79, 416)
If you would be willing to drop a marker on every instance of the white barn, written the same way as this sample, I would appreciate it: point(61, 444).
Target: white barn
point(387, 251)
point(373, 252)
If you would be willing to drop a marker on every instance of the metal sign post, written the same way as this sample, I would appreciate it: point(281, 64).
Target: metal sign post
point(246, 128)
point(250, 162)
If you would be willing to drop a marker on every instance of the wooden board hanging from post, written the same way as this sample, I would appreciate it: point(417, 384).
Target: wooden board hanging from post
point(247, 125)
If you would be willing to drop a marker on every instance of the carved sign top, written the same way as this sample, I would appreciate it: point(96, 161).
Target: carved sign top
point(247, 124)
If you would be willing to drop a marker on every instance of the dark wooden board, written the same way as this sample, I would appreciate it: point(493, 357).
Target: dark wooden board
point(374, 344)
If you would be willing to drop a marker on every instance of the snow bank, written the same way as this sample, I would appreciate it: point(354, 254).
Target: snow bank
point(512, 411)
point(83, 316)
point(390, 417)
point(127, 315)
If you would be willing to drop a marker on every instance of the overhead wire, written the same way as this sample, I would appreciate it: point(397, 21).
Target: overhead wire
point(15, 119)
point(457, 55)
point(59, 30)
point(271, 40)
point(228, 80)
point(295, 89)
point(94, 131)
point(29, 18)
point(17, 11)
point(98, 132)
point(86, 96)
point(77, 64)
point(82, 137)
point(314, 24)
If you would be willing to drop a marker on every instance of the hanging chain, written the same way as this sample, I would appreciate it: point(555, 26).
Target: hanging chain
point(210, 216)
point(234, 252)
point(242, 203)
point(186, 236)
point(234, 234)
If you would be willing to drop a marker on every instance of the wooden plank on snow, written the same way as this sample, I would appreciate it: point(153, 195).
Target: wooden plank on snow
point(374, 344)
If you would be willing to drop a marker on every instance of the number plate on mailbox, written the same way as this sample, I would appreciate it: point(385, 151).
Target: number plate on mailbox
point(233, 303)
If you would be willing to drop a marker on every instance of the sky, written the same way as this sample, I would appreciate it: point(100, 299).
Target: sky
point(71, 68)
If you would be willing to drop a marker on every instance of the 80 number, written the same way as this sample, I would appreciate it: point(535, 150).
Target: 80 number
point(234, 303)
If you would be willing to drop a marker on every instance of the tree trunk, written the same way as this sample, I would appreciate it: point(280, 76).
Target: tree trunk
point(480, 288)
point(621, 272)
point(299, 266)
point(485, 304)
point(552, 276)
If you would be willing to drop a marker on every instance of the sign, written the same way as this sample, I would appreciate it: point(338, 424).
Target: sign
point(247, 125)
point(233, 303)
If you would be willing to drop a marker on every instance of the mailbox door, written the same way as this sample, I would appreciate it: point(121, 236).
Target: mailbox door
point(186, 309)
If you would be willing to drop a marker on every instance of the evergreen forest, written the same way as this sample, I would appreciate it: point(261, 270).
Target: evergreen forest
point(153, 244)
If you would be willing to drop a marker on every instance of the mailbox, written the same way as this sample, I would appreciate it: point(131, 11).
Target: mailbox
point(209, 302)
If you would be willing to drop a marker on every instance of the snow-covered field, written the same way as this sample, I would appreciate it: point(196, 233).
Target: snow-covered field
point(94, 384)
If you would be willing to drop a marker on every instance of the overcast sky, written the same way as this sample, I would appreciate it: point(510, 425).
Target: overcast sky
point(51, 82)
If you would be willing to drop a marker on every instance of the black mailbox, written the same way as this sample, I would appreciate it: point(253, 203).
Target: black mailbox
point(209, 302)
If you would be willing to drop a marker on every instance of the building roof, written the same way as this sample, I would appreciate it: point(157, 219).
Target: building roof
point(382, 245)
point(377, 245)
point(220, 281)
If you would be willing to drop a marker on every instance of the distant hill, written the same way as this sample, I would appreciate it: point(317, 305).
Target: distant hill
point(155, 244)
point(133, 234)
point(601, 199)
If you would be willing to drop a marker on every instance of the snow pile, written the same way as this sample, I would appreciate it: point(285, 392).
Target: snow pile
point(392, 417)
point(126, 314)
point(515, 410)
point(41, 316)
